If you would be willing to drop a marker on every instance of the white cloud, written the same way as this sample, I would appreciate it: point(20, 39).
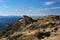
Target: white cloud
point(23, 14)
point(37, 12)
point(49, 3)
point(2, 5)
point(2, 0)
point(5, 6)
point(55, 8)
point(49, 8)
point(30, 12)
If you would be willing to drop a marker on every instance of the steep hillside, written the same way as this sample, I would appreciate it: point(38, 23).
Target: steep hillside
point(27, 28)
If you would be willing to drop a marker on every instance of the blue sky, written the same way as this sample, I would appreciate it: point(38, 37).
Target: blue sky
point(29, 7)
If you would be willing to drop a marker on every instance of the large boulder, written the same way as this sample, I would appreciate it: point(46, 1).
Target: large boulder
point(27, 19)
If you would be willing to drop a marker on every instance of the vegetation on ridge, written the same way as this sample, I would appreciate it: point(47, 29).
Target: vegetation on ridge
point(29, 28)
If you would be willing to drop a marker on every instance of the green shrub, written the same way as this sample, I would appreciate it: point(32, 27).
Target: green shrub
point(42, 34)
point(47, 34)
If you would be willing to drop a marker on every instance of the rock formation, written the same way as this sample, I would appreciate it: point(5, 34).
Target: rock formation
point(27, 20)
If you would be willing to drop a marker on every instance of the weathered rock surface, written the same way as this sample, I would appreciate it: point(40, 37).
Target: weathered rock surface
point(27, 28)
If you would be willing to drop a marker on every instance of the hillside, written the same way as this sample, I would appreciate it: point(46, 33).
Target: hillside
point(27, 28)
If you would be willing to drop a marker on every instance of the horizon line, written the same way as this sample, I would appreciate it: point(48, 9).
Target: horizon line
point(27, 14)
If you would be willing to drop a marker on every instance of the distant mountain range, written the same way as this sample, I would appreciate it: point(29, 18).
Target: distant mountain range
point(7, 20)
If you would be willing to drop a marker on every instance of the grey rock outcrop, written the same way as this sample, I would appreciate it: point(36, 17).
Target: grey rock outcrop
point(27, 20)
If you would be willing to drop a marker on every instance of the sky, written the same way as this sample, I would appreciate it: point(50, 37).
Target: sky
point(29, 7)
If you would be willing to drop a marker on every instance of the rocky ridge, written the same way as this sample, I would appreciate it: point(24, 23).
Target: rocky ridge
point(27, 28)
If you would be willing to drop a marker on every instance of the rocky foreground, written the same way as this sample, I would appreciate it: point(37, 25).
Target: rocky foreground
point(27, 28)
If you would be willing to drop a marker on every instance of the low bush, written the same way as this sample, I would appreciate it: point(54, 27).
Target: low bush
point(41, 35)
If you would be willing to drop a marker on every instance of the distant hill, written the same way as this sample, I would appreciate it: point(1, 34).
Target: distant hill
point(7, 20)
